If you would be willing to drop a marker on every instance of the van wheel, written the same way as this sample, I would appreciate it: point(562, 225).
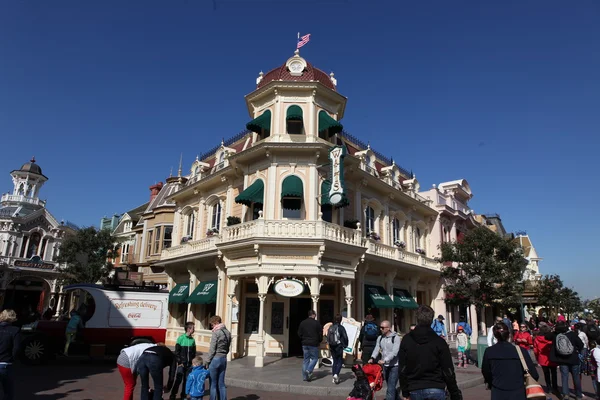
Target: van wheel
point(35, 350)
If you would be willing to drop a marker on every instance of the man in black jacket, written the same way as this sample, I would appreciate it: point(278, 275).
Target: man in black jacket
point(310, 332)
point(9, 347)
point(368, 337)
point(425, 361)
point(567, 362)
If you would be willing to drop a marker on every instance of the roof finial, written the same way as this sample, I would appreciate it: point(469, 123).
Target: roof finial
point(333, 80)
point(222, 142)
point(171, 173)
point(297, 53)
point(260, 77)
point(180, 162)
point(32, 159)
point(197, 157)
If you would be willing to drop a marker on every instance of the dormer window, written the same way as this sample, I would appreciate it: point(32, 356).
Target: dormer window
point(295, 125)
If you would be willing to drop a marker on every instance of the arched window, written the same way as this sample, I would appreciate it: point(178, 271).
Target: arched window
point(216, 216)
point(417, 238)
point(21, 190)
point(34, 243)
point(396, 230)
point(370, 219)
point(189, 225)
point(294, 120)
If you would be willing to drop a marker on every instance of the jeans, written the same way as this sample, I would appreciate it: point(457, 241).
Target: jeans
point(151, 365)
point(217, 369)
point(7, 381)
point(564, 372)
point(129, 381)
point(550, 378)
point(180, 378)
point(311, 357)
point(337, 364)
point(390, 374)
point(428, 394)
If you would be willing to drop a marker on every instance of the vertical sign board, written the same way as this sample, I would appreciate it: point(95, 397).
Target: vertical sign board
point(337, 192)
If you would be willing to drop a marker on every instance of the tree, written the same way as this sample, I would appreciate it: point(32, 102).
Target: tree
point(593, 306)
point(548, 291)
point(87, 255)
point(570, 302)
point(483, 268)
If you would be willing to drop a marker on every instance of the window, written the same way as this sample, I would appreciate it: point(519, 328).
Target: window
point(251, 315)
point(396, 230)
point(203, 313)
point(292, 214)
point(189, 226)
point(34, 243)
point(327, 211)
point(124, 253)
point(167, 239)
point(256, 208)
point(370, 219)
point(157, 234)
point(149, 248)
point(294, 127)
point(417, 238)
point(216, 216)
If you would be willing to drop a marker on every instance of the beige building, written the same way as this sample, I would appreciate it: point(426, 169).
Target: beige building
point(276, 221)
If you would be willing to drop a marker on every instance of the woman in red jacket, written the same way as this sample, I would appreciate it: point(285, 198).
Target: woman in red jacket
point(541, 347)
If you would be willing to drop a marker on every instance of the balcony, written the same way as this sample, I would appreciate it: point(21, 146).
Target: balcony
point(191, 248)
point(22, 199)
point(395, 253)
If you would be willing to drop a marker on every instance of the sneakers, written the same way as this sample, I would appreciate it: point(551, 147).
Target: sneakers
point(309, 377)
point(336, 379)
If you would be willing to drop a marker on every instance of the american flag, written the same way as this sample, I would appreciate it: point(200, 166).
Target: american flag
point(303, 40)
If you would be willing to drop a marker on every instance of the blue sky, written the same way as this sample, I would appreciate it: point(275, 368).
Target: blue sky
point(506, 94)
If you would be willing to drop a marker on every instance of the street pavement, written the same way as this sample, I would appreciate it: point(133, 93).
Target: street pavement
point(82, 379)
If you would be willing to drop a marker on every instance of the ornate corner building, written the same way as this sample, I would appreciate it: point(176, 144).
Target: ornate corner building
point(30, 239)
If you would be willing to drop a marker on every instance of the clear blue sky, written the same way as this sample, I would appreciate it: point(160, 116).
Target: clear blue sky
point(107, 94)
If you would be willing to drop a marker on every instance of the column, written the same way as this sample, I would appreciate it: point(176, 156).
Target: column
point(231, 286)
point(200, 216)
point(263, 284)
point(229, 202)
point(220, 288)
point(25, 242)
point(315, 290)
point(270, 191)
point(349, 297)
point(385, 235)
point(389, 286)
point(475, 326)
point(453, 235)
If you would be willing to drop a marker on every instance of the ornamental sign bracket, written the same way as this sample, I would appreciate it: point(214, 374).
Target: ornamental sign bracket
point(337, 193)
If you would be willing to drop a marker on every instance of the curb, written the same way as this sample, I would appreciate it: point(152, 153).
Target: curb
point(317, 390)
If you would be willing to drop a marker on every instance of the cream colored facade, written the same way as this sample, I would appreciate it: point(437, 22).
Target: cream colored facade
point(391, 246)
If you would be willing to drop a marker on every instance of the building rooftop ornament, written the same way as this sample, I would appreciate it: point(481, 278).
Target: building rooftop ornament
point(333, 80)
point(296, 68)
point(260, 77)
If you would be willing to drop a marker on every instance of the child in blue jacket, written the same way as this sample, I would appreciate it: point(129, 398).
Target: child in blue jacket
point(194, 388)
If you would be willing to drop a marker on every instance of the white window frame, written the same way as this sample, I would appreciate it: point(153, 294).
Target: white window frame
point(216, 214)
point(370, 220)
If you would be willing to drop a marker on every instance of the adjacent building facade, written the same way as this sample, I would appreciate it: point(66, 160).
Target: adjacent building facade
point(30, 239)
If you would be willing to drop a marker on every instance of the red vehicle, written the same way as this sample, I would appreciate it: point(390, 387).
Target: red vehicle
point(113, 318)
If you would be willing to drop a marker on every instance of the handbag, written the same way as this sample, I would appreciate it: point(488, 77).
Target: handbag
point(533, 390)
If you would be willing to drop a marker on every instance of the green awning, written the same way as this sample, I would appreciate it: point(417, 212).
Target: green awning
point(326, 122)
point(253, 194)
point(292, 193)
point(260, 123)
point(179, 293)
point(378, 297)
point(294, 113)
point(325, 188)
point(403, 299)
point(205, 293)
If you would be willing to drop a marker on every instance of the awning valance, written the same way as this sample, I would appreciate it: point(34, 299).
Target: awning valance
point(260, 123)
point(377, 297)
point(326, 122)
point(294, 113)
point(179, 293)
point(403, 299)
point(253, 194)
point(292, 193)
point(205, 293)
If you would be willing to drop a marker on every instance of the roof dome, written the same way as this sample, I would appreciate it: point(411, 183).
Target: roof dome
point(299, 70)
point(31, 167)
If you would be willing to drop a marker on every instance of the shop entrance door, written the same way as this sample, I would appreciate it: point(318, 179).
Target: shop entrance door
point(299, 308)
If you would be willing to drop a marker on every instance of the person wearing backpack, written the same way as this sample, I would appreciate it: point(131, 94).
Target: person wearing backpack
point(368, 337)
point(591, 330)
point(566, 347)
point(386, 355)
point(337, 339)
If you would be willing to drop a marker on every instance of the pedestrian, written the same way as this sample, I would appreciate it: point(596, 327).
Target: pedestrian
point(337, 339)
point(426, 367)
point(75, 323)
point(185, 352)
point(126, 363)
point(194, 387)
point(220, 342)
point(491, 339)
point(367, 337)
point(594, 361)
point(10, 341)
point(468, 331)
point(151, 364)
point(462, 341)
point(502, 368)
point(439, 327)
point(591, 330)
point(524, 340)
point(310, 333)
point(506, 320)
point(566, 347)
point(542, 344)
point(386, 354)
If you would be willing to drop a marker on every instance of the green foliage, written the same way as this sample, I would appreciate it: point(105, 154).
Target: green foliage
point(87, 255)
point(233, 221)
point(552, 294)
point(593, 306)
point(488, 269)
point(351, 223)
point(570, 302)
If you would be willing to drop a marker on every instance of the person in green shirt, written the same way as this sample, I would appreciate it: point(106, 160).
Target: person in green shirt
point(185, 352)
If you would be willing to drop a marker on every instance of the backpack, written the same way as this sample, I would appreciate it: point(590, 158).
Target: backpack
point(592, 332)
point(564, 347)
point(371, 331)
point(333, 336)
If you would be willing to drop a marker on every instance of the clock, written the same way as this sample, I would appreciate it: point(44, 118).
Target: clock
point(296, 66)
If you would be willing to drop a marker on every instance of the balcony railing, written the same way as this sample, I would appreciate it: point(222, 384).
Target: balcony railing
point(395, 253)
point(190, 248)
point(22, 199)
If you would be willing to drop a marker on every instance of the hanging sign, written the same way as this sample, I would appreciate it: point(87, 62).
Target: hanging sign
point(34, 262)
point(288, 287)
point(337, 191)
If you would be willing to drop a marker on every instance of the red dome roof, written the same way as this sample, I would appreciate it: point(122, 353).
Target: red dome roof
point(310, 74)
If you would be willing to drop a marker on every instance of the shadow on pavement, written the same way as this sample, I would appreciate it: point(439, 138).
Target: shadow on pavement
point(72, 372)
point(247, 397)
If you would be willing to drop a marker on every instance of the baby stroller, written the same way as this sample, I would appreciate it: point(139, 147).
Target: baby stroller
point(369, 380)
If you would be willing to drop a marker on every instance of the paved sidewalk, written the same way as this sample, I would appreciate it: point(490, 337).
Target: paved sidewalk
point(284, 375)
